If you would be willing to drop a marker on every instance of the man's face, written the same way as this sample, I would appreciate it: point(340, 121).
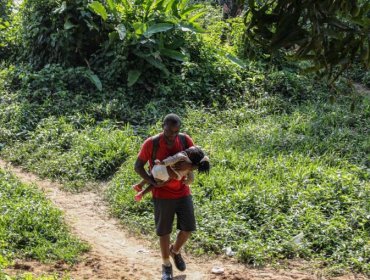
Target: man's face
point(171, 131)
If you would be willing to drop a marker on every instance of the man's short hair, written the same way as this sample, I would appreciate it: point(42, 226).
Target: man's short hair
point(172, 120)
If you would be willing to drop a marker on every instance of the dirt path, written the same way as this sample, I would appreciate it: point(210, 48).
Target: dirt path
point(117, 255)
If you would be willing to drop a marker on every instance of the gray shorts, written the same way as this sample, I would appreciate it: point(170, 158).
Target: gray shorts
point(165, 210)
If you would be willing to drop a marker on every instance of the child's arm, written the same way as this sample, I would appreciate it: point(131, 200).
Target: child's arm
point(174, 159)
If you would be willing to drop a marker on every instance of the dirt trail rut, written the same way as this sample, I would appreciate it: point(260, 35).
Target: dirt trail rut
point(115, 254)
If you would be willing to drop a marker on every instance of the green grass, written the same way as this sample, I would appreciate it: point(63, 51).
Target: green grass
point(290, 170)
point(66, 150)
point(30, 276)
point(31, 227)
point(275, 177)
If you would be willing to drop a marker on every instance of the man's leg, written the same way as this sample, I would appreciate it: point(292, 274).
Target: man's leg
point(164, 242)
point(185, 222)
point(185, 225)
point(181, 239)
point(164, 213)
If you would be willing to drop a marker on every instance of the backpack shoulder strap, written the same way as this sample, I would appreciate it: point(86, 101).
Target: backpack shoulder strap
point(183, 141)
point(155, 140)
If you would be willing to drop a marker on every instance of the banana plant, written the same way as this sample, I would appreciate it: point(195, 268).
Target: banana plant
point(147, 27)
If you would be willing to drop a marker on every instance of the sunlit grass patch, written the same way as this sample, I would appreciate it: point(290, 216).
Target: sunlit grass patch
point(31, 227)
point(74, 151)
point(281, 185)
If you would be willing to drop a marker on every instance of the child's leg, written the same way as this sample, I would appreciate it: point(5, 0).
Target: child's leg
point(140, 194)
point(139, 187)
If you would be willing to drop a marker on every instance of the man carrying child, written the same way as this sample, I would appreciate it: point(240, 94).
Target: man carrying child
point(172, 197)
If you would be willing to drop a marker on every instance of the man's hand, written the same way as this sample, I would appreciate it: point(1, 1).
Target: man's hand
point(183, 165)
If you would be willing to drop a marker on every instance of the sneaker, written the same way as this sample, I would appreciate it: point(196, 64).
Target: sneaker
point(167, 272)
point(178, 260)
point(137, 188)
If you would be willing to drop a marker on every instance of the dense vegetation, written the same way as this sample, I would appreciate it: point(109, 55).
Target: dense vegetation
point(84, 83)
point(30, 227)
point(329, 33)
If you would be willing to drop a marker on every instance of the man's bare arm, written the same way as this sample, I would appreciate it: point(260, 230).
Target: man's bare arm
point(139, 169)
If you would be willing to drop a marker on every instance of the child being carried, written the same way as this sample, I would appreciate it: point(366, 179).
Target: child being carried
point(163, 170)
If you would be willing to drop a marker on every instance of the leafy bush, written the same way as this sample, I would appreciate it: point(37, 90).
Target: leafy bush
point(151, 31)
point(30, 227)
point(292, 86)
point(8, 30)
point(60, 32)
point(74, 150)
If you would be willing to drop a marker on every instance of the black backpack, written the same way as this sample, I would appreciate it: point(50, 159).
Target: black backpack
point(155, 139)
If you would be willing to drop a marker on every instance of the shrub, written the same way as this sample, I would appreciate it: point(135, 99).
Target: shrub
point(60, 32)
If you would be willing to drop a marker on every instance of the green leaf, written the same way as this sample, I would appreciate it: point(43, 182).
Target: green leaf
point(157, 5)
point(190, 9)
point(133, 76)
point(196, 16)
point(68, 25)
point(156, 28)
point(157, 64)
point(121, 29)
point(175, 10)
point(111, 5)
point(61, 9)
point(113, 36)
point(148, 8)
point(168, 6)
point(235, 60)
point(126, 4)
point(182, 4)
point(174, 54)
point(95, 80)
point(139, 27)
point(99, 9)
point(190, 28)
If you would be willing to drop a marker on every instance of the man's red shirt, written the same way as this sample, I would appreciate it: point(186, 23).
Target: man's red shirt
point(173, 189)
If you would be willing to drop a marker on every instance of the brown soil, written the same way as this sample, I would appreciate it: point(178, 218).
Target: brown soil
point(116, 254)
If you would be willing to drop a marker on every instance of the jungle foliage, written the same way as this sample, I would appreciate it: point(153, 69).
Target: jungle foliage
point(85, 82)
point(327, 33)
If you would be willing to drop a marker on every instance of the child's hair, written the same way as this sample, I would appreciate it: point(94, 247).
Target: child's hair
point(197, 157)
